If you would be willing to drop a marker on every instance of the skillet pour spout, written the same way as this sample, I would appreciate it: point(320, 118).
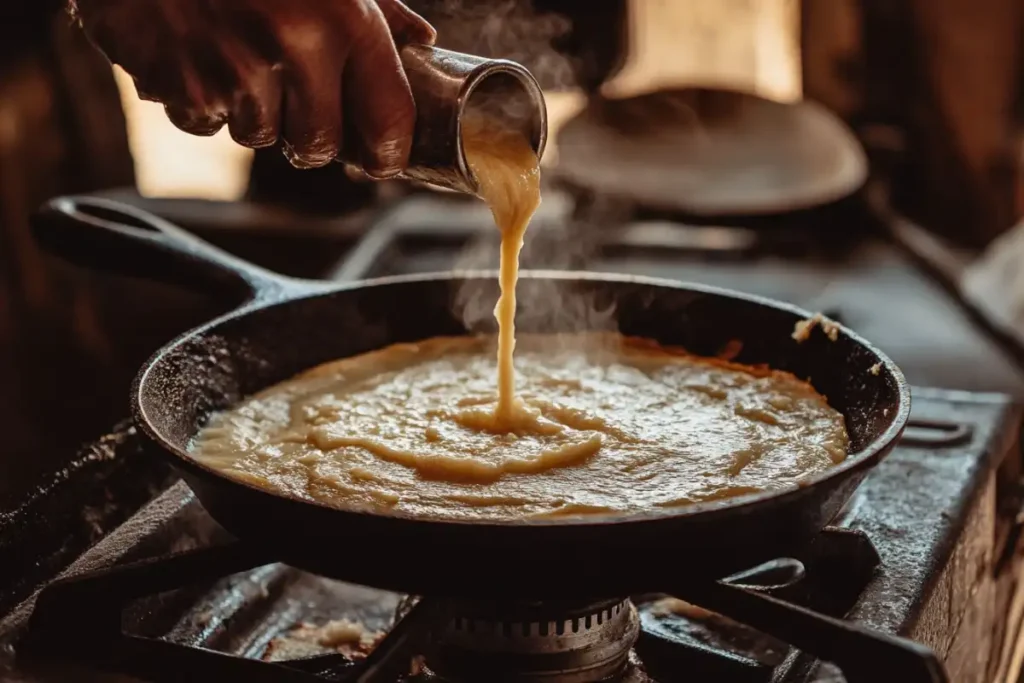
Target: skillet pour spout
point(282, 326)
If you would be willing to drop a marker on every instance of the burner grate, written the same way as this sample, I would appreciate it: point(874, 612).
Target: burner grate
point(574, 644)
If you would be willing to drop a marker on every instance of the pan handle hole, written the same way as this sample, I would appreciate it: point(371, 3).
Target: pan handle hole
point(932, 433)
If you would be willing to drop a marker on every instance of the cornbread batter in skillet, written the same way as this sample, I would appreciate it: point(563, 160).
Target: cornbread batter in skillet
point(580, 424)
point(609, 425)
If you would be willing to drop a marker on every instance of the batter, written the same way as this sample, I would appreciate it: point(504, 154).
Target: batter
point(508, 174)
point(600, 424)
point(612, 425)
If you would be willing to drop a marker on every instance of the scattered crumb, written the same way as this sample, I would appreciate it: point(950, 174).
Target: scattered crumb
point(885, 412)
point(731, 349)
point(802, 330)
point(283, 648)
point(416, 666)
point(669, 606)
point(349, 638)
point(875, 369)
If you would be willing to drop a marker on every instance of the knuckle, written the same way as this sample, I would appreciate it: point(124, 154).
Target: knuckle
point(361, 17)
point(303, 39)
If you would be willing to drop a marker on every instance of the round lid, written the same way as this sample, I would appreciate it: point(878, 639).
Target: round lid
point(711, 152)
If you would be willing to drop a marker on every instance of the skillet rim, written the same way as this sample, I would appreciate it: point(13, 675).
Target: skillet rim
point(865, 458)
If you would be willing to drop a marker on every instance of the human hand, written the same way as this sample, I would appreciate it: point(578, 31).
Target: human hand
point(288, 70)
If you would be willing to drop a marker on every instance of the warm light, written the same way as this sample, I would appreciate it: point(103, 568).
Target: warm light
point(171, 163)
point(562, 106)
point(750, 45)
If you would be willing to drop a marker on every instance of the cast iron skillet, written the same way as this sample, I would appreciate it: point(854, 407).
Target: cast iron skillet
point(282, 326)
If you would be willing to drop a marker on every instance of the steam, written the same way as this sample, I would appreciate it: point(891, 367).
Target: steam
point(505, 29)
point(543, 305)
point(516, 30)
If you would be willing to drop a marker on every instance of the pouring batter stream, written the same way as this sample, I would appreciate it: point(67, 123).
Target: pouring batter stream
point(508, 174)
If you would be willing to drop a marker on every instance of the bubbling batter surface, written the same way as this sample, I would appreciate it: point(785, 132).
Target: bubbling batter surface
point(608, 425)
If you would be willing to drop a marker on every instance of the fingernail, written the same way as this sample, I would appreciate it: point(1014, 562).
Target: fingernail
point(201, 122)
point(387, 162)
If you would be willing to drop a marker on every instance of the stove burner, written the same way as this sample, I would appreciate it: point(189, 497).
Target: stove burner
point(532, 641)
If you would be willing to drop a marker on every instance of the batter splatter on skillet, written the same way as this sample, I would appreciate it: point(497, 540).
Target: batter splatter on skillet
point(597, 423)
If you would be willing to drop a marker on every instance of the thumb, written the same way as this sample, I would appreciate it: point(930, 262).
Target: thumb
point(406, 26)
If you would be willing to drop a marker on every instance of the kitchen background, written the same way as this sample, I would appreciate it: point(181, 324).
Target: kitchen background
point(863, 158)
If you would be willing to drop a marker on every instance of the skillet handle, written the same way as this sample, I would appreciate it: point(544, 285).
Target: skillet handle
point(865, 656)
point(112, 236)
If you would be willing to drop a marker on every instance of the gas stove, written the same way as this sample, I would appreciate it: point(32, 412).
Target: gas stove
point(925, 550)
point(928, 548)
